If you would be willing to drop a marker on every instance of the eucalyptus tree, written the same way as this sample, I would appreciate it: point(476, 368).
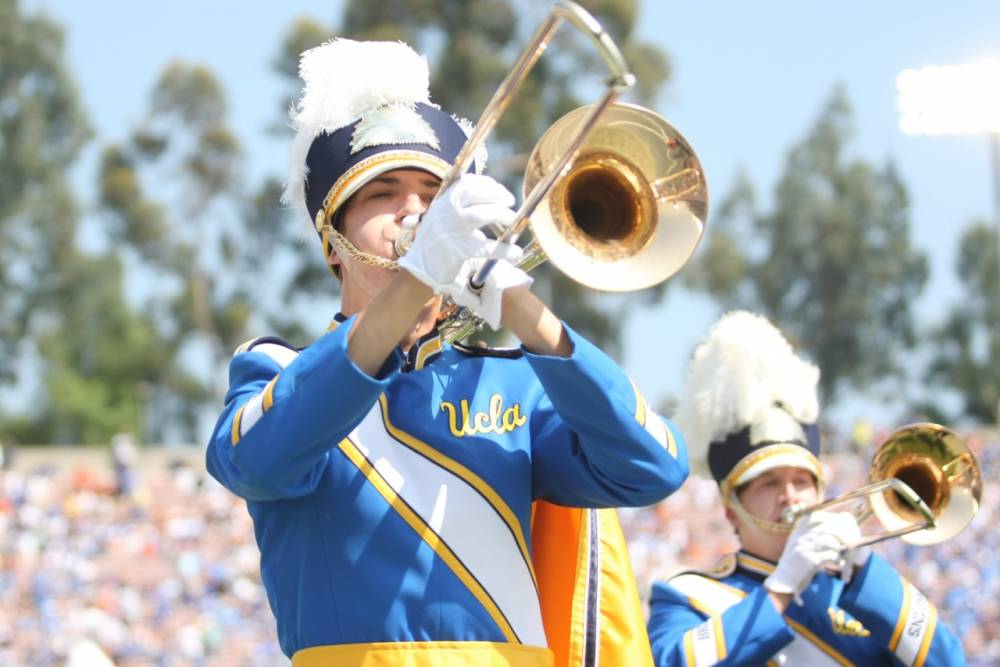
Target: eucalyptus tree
point(831, 260)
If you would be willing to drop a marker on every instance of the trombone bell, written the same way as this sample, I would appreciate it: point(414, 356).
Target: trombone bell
point(937, 465)
point(632, 206)
point(925, 487)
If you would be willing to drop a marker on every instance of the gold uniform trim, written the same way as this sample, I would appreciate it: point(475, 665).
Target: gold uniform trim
point(456, 468)
point(640, 405)
point(715, 622)
point(689, 660)
point(426, 350)
point(904, 612)
point(245, 346)
point(354, 178)
point(348, 183)
point(928, 638)
point(268, 399)
point(767, 452)
point(428, 535)
point(720, 637)
point(822, 645)
point(754, 564)
point(641, 414)
point(706, 608)
point(234, 435)
point(424, 654)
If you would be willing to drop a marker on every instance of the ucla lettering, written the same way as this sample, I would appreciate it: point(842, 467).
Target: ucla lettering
point(915, 628)
point(497, 420)
point(846, 626)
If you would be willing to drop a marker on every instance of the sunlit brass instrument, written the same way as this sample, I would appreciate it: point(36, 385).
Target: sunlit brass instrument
point(615, 196)
point(925, 487)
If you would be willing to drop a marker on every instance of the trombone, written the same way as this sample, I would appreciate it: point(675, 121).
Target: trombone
point(613, 194)
point(925, 487)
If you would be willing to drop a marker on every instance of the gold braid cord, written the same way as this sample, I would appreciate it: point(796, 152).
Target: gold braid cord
point(770, 526)
point(350, 251)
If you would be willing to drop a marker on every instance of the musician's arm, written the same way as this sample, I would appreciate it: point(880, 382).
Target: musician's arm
point(900, 617)
point(749, 632)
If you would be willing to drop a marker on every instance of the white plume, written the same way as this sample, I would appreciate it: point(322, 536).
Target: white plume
point(343, 79)
point(737, 374)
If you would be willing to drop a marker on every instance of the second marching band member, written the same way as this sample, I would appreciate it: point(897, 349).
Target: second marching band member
point(391, 475)
point(750, 405)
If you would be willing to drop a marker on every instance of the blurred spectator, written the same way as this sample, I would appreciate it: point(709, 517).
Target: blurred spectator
point(960, 576)
point(167, 575)
point(123, 460)
point(6, 454)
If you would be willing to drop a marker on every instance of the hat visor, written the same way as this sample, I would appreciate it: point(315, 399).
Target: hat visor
point(770, 457)
point(357, 176)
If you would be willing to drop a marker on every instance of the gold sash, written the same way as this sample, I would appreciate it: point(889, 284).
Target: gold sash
point(424, 654)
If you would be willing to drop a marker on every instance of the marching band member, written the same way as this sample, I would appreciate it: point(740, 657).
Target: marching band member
point(750, 403)
point(390, 474)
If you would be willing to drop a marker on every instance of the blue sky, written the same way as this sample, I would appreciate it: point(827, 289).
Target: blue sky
point(750, 79)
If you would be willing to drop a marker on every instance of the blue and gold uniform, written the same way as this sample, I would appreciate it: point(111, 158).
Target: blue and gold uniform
point(725, 617)
point(751, 409)
point(398, 508)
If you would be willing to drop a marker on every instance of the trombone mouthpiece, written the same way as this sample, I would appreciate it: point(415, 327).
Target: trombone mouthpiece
point(403, 242)
point(791, 513)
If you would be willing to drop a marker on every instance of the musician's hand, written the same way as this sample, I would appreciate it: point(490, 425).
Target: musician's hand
point(817, 540)
point(854, 560)
point(450, 232)
point(487, 302)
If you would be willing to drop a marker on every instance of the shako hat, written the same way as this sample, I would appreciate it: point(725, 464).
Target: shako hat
point(749, 403)
point(365, 110)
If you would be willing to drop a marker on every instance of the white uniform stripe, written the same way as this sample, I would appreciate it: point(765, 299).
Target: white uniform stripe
point(469, 525)
point(253, 411)
point(802, 651)
point(655, 427)
point(279, 353)
point(705, 653)
point(714, 598)
point(915, 626)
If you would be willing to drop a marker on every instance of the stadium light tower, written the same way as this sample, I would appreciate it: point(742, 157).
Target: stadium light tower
point(956, 99)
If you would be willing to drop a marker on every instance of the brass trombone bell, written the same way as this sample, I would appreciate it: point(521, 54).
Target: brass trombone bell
point(939, 468)
point(613, 194)
point(629, 210)
point(925, 487)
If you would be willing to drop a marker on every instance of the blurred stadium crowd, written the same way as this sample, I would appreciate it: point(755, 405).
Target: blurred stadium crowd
point(136, 561)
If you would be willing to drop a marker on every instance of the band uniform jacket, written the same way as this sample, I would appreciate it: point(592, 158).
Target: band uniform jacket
point(725, 617)
point(397, 508)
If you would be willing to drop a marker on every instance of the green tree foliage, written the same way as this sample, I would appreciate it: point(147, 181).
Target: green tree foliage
point(88, 350)
point(966, 347)
point(471, 46)
point(171, 203)
point(42, 129)
point(831, 262)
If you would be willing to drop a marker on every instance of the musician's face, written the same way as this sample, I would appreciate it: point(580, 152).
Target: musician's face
point(371, 220)
point(766, 496)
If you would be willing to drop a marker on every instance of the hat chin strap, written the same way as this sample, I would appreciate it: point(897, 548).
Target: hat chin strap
point(348, 249)
point(780, 528)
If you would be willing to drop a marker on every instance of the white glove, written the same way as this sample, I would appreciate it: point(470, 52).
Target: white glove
point(818, 539)
point(450, 232)
point(487, 302)
point(855, 559)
